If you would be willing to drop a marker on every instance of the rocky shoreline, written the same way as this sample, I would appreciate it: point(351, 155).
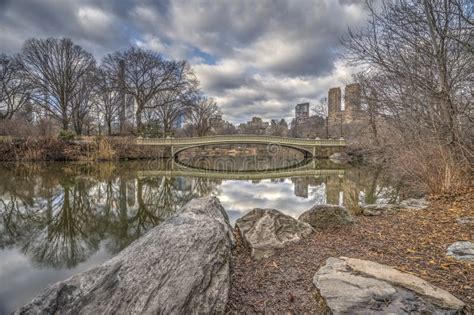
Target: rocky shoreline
point(412, 241)
point(327, 261)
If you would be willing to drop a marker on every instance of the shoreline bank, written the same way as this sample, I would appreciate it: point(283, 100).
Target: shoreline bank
point(412, 242)
point(88, 149)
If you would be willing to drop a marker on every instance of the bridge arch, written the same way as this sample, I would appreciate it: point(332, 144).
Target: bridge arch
point(309, 146)
point(306, 151)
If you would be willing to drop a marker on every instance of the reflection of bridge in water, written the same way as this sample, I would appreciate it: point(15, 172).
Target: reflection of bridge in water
point(311, 147)
point(310, 169)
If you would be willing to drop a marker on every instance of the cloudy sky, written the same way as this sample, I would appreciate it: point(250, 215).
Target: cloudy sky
point(254, 57)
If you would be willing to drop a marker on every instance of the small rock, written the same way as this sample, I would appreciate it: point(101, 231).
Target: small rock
point(322, 216)
point(264, 230)
point(379, 209)
point(414, 204)
point(181, 266)
point(466, 220)
point(354, 286)
point(462, 250)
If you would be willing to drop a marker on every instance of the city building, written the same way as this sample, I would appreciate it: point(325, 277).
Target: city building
point(255, 126)
point(216, 121)
point(301, 112)
point(180, 121)
point(305, 125)
point(278, 128)
point(344, 108)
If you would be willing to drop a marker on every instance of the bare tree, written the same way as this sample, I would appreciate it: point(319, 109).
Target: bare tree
point(321, 109)
point(169, 105)
point(145, 74)
point(55, 69)
point(82, 102)
point(417, 67)
point(202, 109)
point(170, 110)
point(108, 99)
point(14, 91)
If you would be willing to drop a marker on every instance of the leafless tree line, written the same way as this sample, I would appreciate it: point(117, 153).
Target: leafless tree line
point(62, 82)
point(417, 71)
point(417, 68)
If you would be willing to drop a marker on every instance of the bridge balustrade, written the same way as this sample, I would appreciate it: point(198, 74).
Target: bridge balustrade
point(240, 138)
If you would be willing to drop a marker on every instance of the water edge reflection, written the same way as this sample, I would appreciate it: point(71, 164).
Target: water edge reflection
point(61, 218)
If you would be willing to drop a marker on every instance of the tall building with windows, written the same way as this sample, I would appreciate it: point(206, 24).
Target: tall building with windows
point(301, 112)
point(344, 109)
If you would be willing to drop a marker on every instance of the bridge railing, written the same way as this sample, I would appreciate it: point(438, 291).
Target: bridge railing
point(242, 139)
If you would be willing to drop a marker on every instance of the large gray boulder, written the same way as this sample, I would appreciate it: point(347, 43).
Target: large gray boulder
point(379, 209)
point(323, 216)
point(265, 230)
point(462, 250)
point(354, 286)
point(180, 267)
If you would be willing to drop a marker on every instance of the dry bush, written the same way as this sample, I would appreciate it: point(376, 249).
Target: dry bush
point(432, 167)
point(125, 148)
point(32, 149)
point(105, 152)
point(47, 128)
point(16, 127)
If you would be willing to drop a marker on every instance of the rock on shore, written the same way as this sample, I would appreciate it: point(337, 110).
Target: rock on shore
point(462, 250)
point(379, 209)
point(414, 204)
point(180, 267)
point(323, 216)
point(354, 286)
point(264, 230)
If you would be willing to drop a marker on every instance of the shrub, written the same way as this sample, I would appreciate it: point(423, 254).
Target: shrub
point(105, 152)
point(432, 167)
point(66, 135)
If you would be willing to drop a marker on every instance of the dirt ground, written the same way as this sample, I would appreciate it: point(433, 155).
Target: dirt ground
point(413, 242)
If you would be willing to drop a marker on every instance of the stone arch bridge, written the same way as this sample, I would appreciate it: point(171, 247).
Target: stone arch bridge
point(316, 148)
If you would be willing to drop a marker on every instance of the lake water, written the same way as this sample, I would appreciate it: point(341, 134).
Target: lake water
point(58, 219)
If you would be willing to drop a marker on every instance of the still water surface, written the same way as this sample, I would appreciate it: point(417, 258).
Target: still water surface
point(58, 219)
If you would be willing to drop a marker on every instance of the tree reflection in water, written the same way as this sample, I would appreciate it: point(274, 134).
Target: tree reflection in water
point(60, 214)
point(66, 232)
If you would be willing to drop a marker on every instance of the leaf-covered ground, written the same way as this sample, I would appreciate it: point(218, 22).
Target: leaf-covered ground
point(413, 242)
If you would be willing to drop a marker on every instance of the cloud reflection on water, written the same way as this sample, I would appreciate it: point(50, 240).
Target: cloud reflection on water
point(59, 219)
point(242, 196)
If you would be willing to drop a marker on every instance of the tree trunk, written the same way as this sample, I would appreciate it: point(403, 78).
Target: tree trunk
point(138, 118)
point(65, 123)
point(78, 126)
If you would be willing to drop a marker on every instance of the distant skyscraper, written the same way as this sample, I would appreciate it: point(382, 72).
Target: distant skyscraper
point(344, 108)
point(302, 112)
point(180, 121)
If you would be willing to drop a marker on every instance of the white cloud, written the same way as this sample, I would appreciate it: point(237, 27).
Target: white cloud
point(255, 57)
point(94, 19)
